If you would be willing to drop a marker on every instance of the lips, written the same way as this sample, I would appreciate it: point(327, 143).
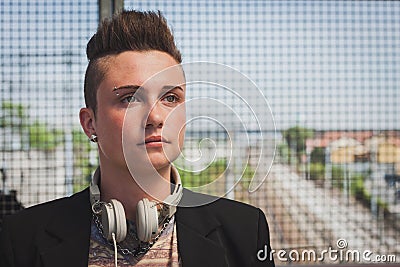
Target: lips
point(154, 141)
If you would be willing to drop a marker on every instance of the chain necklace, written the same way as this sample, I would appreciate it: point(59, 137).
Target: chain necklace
point(143, 246)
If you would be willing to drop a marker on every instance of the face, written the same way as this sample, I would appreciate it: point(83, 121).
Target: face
point(140, 119)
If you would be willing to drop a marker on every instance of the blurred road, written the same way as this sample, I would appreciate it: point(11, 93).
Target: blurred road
point(302, 215)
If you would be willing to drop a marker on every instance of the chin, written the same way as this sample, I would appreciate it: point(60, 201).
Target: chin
point(158, 161)
point(158, 166)
point(171, 153)
point(164, 158)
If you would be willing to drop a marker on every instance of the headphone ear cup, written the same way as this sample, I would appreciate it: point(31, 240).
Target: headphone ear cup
point(120, 220)
point(113, 220)
point(152, 220)
point(141, 221)
point(146, 220)
point(107, 220)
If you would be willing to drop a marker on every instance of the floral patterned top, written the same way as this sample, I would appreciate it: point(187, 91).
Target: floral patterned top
point(164, 251)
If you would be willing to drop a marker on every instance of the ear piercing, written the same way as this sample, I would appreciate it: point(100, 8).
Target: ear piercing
point(93, 138)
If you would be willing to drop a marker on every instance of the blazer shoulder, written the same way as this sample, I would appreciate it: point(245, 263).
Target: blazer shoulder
point(28, 233)
point(40, 213)
point(226, 211)
point(214, 203)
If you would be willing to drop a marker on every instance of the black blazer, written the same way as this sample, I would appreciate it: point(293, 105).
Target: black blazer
point(57, 233)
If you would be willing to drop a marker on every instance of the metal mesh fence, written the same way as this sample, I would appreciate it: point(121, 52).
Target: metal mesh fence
point(42, 66)
point(311, 85)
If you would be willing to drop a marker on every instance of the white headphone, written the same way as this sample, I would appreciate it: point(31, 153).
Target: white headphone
point(147, 215)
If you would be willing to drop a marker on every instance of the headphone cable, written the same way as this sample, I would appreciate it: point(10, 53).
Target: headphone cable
point(115, 249)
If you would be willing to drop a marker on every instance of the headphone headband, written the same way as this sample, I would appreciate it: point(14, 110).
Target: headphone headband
point(176, 195)
point(94, 188)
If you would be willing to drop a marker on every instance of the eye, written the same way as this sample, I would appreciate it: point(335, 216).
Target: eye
point(129, 99)
point(171, 98)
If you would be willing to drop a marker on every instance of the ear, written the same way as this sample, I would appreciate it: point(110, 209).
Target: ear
point(87, 119)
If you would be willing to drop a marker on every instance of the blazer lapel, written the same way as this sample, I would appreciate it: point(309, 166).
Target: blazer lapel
point(65, 241)
point(198, 236)
point(197, 250)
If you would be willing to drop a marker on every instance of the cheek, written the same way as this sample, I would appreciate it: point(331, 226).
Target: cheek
point(181, 138)
point(109, 125)
point(175, 124)
point(131, 126)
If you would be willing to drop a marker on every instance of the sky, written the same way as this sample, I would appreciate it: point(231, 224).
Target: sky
point(327, 65)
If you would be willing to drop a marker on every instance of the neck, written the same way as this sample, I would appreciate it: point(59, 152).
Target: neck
point(118, 183)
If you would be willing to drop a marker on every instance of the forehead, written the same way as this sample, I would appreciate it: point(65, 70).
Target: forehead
point(134, 67)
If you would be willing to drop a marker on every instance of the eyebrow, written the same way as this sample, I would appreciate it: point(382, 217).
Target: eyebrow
point(131, 87)
point(171, 87)
point(136, 87)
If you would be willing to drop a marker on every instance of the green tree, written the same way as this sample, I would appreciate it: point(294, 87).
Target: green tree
point(35, 135)
point(13, 117)
point(83, 167)
point(318, 155)
point(317, 171)
point(296, 139)
point(41, 137)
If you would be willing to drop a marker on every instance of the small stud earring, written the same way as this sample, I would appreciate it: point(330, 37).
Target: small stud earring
point(93, 138)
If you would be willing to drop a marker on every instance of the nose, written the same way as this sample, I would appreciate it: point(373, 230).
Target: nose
point(155, 117)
